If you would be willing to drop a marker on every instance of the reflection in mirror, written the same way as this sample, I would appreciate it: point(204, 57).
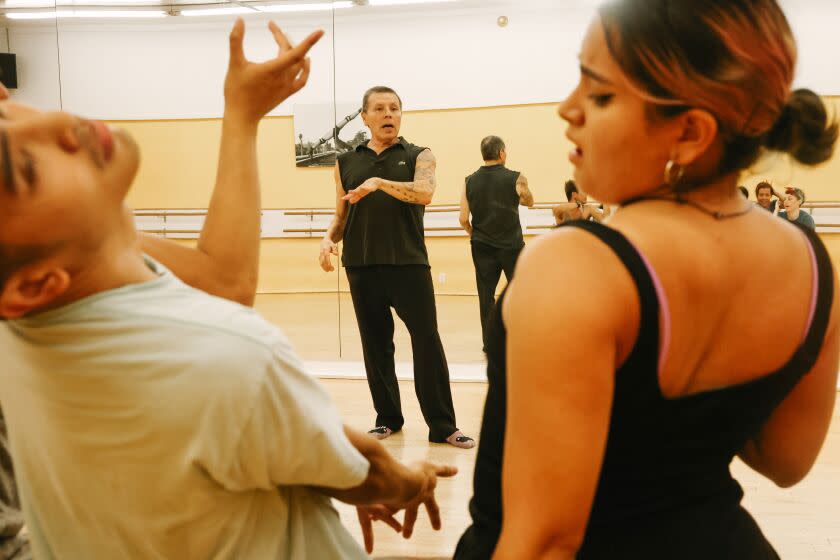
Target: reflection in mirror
point(464, 70)
point(157, 69)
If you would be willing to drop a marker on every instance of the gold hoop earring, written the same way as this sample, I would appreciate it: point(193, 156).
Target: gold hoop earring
point(673, 173)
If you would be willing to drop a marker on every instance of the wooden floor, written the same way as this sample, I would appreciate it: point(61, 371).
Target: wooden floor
point(802, 522)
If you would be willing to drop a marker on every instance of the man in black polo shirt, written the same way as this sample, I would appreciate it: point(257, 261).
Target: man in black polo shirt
point(493, 195)
point(382, 188)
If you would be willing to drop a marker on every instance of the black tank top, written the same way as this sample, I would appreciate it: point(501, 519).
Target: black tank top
point(494, 205)
point(380, 229)
point(665, 490)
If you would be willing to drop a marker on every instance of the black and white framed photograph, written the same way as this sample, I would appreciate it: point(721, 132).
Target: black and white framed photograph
point(323, 131)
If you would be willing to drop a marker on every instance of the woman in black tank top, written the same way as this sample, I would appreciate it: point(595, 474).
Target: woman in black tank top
point(627, 455)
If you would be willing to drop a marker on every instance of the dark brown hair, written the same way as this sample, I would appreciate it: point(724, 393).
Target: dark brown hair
point(570, 188)
point(763, 185)
point(732, 58)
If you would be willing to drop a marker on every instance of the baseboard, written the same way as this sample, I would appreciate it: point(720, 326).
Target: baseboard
point(461, 373)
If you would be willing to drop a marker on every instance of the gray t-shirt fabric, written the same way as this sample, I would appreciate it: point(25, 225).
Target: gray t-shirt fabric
point(156, 421)
point(804, 219)
point(13, 544)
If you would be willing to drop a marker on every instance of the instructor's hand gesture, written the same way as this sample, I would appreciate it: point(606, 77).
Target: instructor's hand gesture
point(357, 194)
point(253, 89)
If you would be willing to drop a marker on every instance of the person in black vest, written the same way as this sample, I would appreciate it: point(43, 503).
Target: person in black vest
point(493, 195)
point(382, 188)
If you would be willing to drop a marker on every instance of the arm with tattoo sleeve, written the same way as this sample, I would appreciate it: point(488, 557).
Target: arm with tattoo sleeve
point(418, 191)
point(525, 196)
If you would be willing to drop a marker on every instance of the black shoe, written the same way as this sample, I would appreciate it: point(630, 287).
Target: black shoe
point(381, 432)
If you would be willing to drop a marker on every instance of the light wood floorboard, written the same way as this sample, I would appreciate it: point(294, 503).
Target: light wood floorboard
point(802, 522)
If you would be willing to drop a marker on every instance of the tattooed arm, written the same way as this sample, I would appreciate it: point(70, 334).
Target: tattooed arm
point(525, 196)
point(418, 191)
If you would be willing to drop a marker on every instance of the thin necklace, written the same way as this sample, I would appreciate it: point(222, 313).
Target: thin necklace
point(716, 214)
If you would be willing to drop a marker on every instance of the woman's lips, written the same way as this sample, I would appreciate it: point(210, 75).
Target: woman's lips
point(576, 156)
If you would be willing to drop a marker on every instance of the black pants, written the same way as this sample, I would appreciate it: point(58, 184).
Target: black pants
point(409, 290)
point(489, 263)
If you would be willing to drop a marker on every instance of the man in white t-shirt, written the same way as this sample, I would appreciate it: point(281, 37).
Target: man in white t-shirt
point(148, 419)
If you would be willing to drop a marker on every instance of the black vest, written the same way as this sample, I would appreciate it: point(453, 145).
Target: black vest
point(494, 205)
point(381, 229)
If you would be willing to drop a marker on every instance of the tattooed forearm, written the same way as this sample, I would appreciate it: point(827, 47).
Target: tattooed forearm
point(525, 196)
point(420, 190)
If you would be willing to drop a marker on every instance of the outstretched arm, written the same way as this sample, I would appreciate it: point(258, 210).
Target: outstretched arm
point(225, 261)
point(418, 191)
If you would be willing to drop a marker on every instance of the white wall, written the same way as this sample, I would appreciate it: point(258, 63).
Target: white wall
point(37, 65)
point(444, 56)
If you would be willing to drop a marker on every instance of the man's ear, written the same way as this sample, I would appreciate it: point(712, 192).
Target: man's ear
point(31, 288)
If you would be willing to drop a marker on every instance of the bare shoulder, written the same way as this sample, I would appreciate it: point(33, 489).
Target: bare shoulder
point(565, 272)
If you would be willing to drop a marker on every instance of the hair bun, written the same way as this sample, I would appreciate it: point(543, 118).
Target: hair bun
point(804, 129)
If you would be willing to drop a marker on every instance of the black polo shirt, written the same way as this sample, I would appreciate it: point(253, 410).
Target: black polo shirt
point(380, 229)
point(494, 205)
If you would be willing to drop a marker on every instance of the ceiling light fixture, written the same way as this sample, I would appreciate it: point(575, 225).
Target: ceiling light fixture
point(29, 4)
point(80, 14)
point(325, 6)
point(405, 2)
point(234, 10)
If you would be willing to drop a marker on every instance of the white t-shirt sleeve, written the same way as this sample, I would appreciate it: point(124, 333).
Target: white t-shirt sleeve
point(293, 436)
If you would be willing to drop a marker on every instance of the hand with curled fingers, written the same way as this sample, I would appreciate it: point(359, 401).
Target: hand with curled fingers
point(366, 188)
point(328, 248)
point(426, 475)
point(253, 89)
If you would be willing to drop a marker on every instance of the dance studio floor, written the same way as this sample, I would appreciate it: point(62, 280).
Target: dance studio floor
point(802, 522)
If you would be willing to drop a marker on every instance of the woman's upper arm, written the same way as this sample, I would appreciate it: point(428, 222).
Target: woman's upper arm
point(790, 441)
point(562, 357)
